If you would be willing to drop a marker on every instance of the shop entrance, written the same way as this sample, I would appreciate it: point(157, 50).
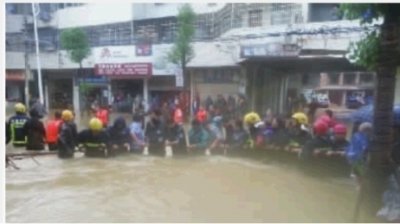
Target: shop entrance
point(60, 93)
point(124, 92)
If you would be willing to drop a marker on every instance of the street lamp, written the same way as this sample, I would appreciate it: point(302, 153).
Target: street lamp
point(35, 12)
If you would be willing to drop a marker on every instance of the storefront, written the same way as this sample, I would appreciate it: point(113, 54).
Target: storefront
point(15, 84)
point(127, 81)
point(211, 82)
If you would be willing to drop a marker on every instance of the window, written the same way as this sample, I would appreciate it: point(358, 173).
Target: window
point(320, 12)
point(349, 79)
point(334, 78)
point(366, 78)
point(11, 8)
point(255, 18)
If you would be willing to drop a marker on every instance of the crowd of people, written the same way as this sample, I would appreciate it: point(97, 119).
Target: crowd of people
point(215, 128)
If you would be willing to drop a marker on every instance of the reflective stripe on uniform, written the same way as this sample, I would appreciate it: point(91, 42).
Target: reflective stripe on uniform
point(13, 126)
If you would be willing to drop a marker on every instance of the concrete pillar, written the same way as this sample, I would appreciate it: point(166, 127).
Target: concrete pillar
point(75, 97)
point(146, 93)
point(191, 92)
point(109, 92)
point(46, 94)
point(397, 87)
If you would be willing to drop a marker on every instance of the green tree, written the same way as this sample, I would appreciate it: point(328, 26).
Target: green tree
point(182, 51)
point(75, 42)
point(379, 52)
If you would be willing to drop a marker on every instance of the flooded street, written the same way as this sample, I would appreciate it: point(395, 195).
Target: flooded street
point(152, 189)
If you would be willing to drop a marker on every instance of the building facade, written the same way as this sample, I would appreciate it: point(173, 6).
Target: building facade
point(238, 48)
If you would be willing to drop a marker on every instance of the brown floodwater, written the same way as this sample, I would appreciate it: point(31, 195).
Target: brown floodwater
point(134, 188)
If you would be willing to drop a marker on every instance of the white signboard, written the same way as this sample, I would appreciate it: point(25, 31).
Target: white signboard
point(127, 54)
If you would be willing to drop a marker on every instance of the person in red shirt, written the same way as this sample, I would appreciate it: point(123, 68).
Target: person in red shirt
point(201, 115)
point(178, 115)
point(103, 115)
point(52, 129)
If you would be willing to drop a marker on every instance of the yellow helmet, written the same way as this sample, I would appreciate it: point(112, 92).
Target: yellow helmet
point(95, 124)
point(19, 107)
point(300, 117)
point(67, 115)
point(252, 118)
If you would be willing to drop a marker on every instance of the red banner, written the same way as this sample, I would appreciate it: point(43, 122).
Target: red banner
point(137, 69)
point(15, 75)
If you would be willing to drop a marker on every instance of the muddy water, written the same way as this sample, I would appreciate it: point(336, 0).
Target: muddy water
point(152, 189)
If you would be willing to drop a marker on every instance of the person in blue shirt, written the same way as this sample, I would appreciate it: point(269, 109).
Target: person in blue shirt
point(15, 126)
point(357, 150)
point(216, 132)
point(137, 135)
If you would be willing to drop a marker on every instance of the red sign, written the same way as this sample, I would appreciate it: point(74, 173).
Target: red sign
point(14, 75)
point(142, 69)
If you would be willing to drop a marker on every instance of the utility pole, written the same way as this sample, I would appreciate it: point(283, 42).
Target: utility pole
point(27, 65)
point(39, 71)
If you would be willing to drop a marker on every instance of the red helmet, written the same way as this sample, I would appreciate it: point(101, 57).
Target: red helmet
point(325, 119)
point(320, 128)
point(340, 129)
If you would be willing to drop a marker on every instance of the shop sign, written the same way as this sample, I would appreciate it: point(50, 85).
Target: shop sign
point(94, 79)
point(269, 50)
point(15, 75)
point(156, 55)
point(130, 69)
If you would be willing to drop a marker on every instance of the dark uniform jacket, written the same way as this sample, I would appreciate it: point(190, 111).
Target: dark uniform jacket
point(35, 133)
point(15, 130)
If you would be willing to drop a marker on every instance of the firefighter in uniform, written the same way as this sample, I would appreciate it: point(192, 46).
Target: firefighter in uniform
point(15, 126)
point(67, 135)
point(95, 140)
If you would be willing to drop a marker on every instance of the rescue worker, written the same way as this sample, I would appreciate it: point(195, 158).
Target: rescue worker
point(338, 140)
point(199, 138)
point(35, 132)
point(103, 115)
point(137, 135)
point(154, 133)
point(251, 119)
point(356, 151)
point(320, 140)
point(174, 138)
point(95, 140)
point(216, 133)
point(15, 126)
point(68, 135)
point(298, 130)
point(52, 129)
point(120, 138)
point(39, 108)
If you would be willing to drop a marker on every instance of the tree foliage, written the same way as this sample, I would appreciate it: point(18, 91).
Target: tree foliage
point(75, 42)
point(366, 52)
point(182, 51)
